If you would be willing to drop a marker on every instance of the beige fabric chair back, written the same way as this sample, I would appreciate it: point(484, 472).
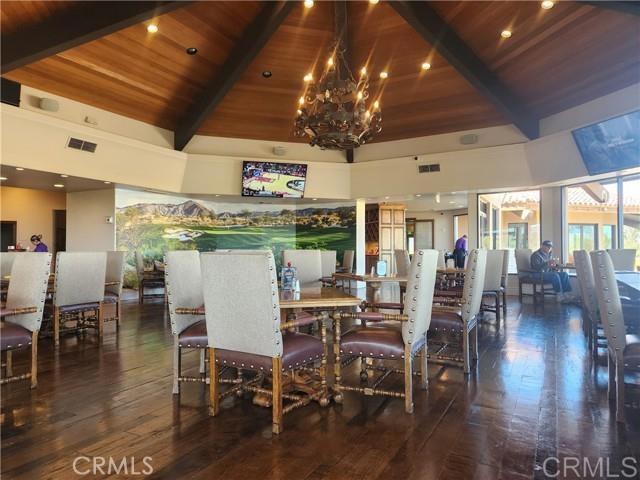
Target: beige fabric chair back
point(504, 282)
point(608, 300)
point(308, 264)
point(184, 286)
point(419, 298)
point(441, 262)
point(473, 283)
point(623, 259)
point(523, 260)
point(586, 282)
point(28, 288)
point(328, 259)
point(493, 271)
point(241, 302)
point(115, 272)
point(6, 261)
point(79, 278)
point(347, 260)
point(403, 264)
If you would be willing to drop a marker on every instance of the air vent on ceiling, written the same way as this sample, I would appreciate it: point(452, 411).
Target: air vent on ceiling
point(435, 167)
point(83, 145)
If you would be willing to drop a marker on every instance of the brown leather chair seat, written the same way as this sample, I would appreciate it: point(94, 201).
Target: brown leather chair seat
point(380, 342)
point(82, 307)
point(632, 352)
point(297, 349)
point(194, 336)
point(445, 320)
point(110, 297)
point(14, 336)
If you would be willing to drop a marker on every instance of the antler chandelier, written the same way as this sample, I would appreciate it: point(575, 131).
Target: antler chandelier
point(335, 112)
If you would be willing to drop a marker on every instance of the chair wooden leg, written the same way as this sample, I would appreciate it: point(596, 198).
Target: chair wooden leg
point(498, 308)
point(141, 292)
point(118, 313)
point(337, 367)
point(424, 374)
point(9, 364)
point(214, 397)
point(34, 359)
point(620, 390)
point(475, 344)
point(520, 291)
point(203, 368)
point(177, 357)
point(465, 349)
point(56, 326)
point(408, 380)
point(276, 400)
point(100, 320)
point(611, 385)
point(504, 303)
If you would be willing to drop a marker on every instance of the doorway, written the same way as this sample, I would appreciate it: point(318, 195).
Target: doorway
point(420, 235)
point(59, 230)
point(7, 235)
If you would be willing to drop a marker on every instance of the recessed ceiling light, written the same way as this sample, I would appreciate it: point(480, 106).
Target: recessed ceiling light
point(3, 178)
point(418, 195)
point(217, 195)
point(64, 176)
point(308, 3)
point(547, 4)
point(192, 51)
point(383, 75)
point(314, 199)
point(20, 169)
point(374, 2)
point(386, 198)
point(426, 66)
point(58, 185)
point(505, 34)
point(107, 183)
point(152, 28)
point(267, 74)
point(451, 201)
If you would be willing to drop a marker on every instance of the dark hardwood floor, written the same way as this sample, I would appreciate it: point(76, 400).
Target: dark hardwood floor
point(536, 395)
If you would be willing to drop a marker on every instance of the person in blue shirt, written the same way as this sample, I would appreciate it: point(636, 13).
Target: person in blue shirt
point(460, 251)
point(36, 241)
point(541, 261)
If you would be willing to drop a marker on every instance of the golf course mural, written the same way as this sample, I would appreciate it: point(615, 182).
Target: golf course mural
point(153, 223)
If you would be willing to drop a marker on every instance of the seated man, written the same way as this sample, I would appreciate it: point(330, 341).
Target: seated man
point(541, 261)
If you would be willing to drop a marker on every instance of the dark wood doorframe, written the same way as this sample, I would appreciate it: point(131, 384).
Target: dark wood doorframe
point(9, 234)
point(59, 231)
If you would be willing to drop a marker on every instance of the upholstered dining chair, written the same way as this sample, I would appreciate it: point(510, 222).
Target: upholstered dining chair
point(527, 276)
point(147, 278)
point(623, 351)
point(184, 291)
point(113, 283)
point(328, 261)
point(6, 262)
point(461, 321)
point(347, 262)
point(23, 312)
point(242, 308)
point(79, 291)
point(623, 259)
point(308, 264)
point(504, 282)
point(403, 265)
point(389, 342)
point(493, 282)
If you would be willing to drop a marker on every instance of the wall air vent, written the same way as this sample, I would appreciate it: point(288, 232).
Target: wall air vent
point(78, 144)
point(435, 167)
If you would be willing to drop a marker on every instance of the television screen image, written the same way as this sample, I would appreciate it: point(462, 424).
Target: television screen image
point(610, 145)
point(270, 179)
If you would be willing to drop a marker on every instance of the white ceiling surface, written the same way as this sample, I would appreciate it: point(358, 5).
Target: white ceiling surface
point(45, 181)
point(426, 203)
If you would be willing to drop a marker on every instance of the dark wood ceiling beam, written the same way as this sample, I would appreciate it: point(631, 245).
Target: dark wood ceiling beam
point(631, 7)
point(255, 37)
point(426, 21)
point(74, 26)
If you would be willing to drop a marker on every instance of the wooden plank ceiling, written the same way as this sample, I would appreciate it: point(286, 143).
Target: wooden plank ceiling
point(555, 59)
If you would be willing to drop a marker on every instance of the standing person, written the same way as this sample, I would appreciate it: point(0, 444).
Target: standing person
point(38, 246)
point(541, 261)
point(460, 251)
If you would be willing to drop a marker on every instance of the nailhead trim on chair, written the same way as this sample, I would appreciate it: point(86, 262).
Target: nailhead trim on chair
point(370, 354)
point(284, 368)
point(20, 345)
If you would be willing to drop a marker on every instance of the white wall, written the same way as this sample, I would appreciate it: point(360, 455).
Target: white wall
point(87, 229)
point(442, 225)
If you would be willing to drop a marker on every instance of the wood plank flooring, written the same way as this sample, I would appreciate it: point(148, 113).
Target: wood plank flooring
point(535, 395)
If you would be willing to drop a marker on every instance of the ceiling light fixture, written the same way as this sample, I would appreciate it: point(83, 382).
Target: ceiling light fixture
point(192, 51)
point(505, 34)
point(20, 169)
point(335, 113)
point(374, 2)
point(418, 195)
point(58, 185)
point(107, 183)
point(3, 178)
point(64, 176)
point(426, 66)
point(308, 3)
point(547, 4)
point(152, 28)
point(384, 75)
point(437, 198)
point(267, 74)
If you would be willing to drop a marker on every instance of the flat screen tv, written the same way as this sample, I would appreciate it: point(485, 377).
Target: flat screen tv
point(270, 179)
point(610, 145)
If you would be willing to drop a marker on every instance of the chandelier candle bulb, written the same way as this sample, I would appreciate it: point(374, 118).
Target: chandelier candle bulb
point(301, 101)
point(383, 75)
point(363, 71)
point(308, 77)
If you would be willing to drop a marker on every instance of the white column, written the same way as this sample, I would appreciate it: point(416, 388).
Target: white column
point(551, 219)
point(472, 209)
point(360, 236)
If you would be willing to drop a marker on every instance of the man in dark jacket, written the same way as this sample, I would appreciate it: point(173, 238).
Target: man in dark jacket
point(541, 261)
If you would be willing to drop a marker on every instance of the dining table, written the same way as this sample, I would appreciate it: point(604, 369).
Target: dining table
point(629, 285)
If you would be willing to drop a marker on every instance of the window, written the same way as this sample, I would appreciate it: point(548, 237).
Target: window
point(631, 215)
point(509, 220)
point(583, 237)
point(608, 236)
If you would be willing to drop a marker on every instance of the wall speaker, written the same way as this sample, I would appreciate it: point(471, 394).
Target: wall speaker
point(469, 139)
point(280, 151)
point(49, 105)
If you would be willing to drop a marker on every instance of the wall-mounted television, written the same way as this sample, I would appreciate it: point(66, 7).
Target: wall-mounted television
point(610, 145)
point(271, 179)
